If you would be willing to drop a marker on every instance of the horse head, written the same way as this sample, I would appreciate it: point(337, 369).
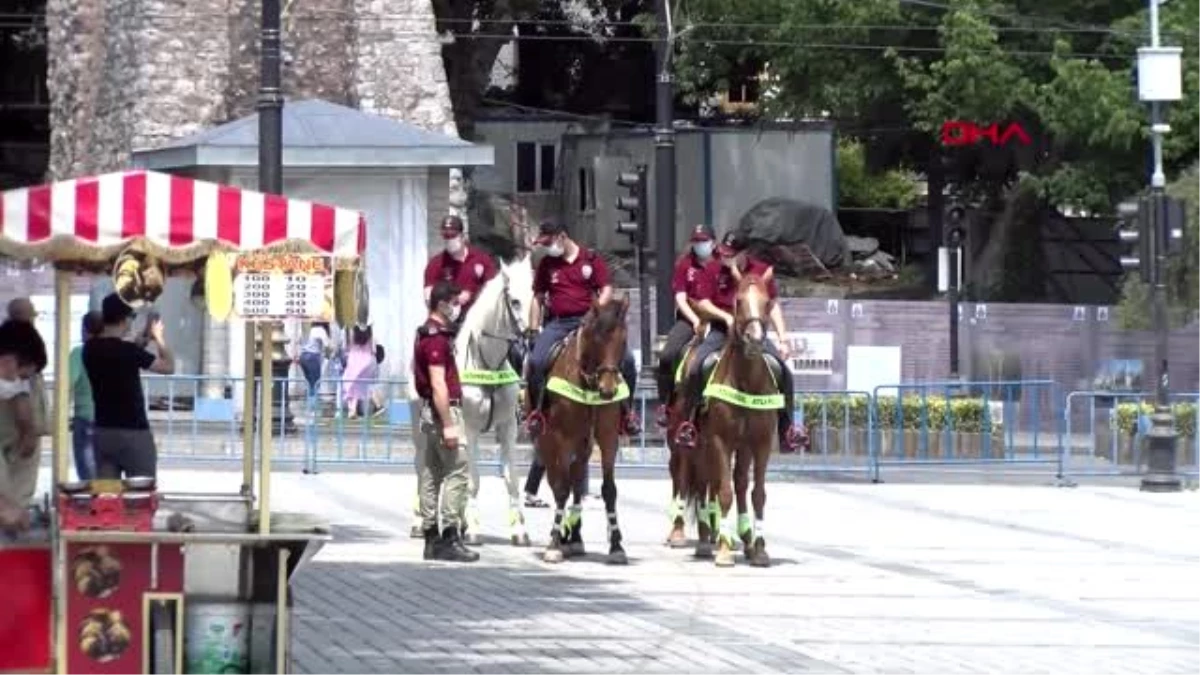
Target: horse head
point(602, 347)
point(750, 306)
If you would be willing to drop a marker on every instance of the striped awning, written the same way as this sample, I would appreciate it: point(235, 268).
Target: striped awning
point(179, 218)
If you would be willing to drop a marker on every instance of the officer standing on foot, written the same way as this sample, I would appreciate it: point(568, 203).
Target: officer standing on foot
point(443, 460)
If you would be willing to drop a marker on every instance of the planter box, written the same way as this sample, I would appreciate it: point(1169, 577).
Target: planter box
point(907, 444)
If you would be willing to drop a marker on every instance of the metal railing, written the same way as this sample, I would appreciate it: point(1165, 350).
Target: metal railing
point(939, 427)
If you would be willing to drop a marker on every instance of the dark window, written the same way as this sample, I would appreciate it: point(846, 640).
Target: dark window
point(547, 168)
point(587, 190)
point(527, 167)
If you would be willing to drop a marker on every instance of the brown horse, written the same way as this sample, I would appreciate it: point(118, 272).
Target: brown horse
point(584, 411)
point(741, 434)
point(689, 494)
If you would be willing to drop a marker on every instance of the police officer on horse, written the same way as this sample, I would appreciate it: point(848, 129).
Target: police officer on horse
point(461, 264)
point(717, 289)
point(685, 282)
point(569, 277)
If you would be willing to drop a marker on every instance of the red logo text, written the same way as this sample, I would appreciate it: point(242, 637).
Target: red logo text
point(961, 132)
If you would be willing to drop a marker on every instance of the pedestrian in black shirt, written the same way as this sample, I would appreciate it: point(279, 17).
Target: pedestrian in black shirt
point(124, 444)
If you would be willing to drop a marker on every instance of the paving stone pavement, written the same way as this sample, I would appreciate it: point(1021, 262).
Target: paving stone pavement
point(868, 579)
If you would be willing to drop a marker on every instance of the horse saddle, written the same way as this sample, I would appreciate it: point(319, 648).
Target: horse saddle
point(557, 348)
point(774, 365)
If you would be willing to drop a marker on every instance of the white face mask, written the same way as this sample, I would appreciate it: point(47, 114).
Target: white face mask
point(451, 312)
point(703, 249)
point(555, 250)
point(455, 246)
point(11, 388)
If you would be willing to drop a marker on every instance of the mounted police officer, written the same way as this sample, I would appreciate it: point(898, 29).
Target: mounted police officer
point(718, 289)
point(466, 267)
point(684, 285)
point(567, 280)
point(442, 460)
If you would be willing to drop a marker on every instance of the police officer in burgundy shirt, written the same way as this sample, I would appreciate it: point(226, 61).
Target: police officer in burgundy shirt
point(466, 267)
point(718, 289)
point(684, 284)
point(568, 278)
point(442, 460)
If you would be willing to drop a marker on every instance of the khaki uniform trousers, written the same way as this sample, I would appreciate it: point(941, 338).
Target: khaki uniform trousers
point(441, 471)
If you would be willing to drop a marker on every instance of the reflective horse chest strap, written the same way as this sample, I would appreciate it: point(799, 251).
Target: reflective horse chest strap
point(574, 392)
point(727, 394)
point(489, 378)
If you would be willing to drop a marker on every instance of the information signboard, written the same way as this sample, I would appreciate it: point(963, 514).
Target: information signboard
point(276, 286)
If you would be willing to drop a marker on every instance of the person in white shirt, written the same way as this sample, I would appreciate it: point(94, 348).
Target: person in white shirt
point(22, 357)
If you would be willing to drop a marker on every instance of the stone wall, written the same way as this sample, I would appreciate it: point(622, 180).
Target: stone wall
point(131, 74)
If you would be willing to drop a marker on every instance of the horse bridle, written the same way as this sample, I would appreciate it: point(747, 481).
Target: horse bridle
point(591, 379)
point(513, 320)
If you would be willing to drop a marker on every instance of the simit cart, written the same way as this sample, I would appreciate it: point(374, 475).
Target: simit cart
point(123, 578)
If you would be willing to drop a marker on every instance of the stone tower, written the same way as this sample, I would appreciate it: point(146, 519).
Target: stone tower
point(132, 74)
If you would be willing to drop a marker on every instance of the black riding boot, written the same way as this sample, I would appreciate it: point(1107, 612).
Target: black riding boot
point(431, 543)
point(451, 547)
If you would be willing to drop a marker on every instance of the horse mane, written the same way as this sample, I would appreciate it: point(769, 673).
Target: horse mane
point(607, 319)
point(485, 302)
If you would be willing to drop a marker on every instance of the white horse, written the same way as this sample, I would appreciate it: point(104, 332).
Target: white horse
point(495, 322)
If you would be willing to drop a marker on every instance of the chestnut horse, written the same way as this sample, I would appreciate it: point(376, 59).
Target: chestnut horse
point(582, 406)
point(738, 426)
point(690, 500)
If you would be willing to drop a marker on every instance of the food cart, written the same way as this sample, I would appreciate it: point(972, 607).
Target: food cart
point(125, 578)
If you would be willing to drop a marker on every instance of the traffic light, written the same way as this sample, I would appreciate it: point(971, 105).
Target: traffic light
point(1173, 220)
point(634, 222)
point(1133, 230)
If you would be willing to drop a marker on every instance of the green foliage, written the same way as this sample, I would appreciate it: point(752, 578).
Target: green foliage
point(859, 187)
point(1183, 285)
point(935, 413)
point(1185, 417)
point(980, 60)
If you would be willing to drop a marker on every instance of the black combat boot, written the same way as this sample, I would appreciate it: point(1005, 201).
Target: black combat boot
point(431, 543)
point(451, 548)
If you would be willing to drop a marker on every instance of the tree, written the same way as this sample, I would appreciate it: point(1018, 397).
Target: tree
point(480, 28)
point(1062, 68)
point(860, 187)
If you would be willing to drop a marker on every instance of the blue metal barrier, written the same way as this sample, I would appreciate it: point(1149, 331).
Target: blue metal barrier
point(1003, 426)
point(839, 433)
point(1104, 433)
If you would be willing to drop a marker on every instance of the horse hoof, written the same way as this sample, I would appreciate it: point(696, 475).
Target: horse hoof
point(416, 532)
point(704, 550)
point(677, 538)
point(521, 540)
point(575, 549)
point(617, 557)
point(758, 554)
point(552, 555)
point(725, 558)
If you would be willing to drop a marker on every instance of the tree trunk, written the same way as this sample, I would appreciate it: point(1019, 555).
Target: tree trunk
point(469, 60)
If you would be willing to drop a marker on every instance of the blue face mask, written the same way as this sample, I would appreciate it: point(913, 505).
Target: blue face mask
point(703, 249)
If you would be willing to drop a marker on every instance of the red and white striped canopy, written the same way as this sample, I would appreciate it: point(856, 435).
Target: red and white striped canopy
point(171, 212)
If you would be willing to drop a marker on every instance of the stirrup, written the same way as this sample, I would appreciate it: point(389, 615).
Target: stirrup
point(631, 424)
point(662, 416)
point(789, 441)
point(535, 422)
point(686, 435)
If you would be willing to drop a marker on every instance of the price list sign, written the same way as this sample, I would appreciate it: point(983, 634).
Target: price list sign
point(276, 286)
